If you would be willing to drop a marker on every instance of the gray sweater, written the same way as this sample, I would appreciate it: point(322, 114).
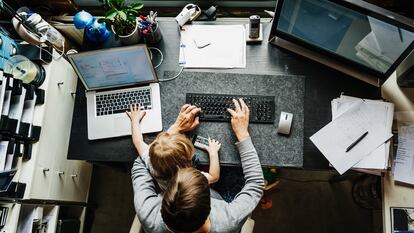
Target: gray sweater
point(225, 217)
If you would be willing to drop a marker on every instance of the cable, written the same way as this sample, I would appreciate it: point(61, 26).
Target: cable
point(71, 51)
point(161, 59)
point(172, 78)
point(62, 52)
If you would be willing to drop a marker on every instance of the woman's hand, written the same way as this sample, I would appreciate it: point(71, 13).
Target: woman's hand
point(240, 119)
point(186, 121)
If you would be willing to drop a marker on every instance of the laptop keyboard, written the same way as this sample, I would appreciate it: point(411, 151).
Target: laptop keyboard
point(113, 103)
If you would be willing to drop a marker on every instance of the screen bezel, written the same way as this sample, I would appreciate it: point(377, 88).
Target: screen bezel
point(384, 16)
point(71, 58)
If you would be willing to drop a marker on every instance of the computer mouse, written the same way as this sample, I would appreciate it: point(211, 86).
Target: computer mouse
point(285, 123)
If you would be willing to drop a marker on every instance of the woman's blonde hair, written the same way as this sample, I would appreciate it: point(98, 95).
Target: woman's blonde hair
point(170, 152)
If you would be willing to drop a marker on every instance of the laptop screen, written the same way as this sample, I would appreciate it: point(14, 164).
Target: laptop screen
point(115, 67)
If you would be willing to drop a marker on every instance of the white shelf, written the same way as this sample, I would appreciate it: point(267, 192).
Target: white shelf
point(21, 215)
point(48, 175)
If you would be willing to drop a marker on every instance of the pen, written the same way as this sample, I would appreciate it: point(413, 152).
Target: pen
point(356, 142)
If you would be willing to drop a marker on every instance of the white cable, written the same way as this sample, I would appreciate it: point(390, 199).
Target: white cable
point(161, 59)
point(172, 78)
point(62, 52)
point(71, 51)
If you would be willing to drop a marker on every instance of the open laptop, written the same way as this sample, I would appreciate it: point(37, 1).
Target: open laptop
point(114, 79)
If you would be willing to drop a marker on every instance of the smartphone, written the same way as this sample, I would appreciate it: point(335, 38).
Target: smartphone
point(200, 142)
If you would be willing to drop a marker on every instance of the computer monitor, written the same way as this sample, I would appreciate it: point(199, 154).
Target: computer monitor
point(352, 36)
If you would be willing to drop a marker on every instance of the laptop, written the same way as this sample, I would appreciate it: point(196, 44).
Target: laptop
point(114, 79)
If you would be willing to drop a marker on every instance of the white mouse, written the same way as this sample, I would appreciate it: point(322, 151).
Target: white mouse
point(285, 123)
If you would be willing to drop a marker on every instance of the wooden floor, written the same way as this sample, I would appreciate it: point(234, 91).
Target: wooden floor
point(298, 207)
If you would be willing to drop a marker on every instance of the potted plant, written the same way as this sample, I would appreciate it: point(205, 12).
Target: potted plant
point(122, 20)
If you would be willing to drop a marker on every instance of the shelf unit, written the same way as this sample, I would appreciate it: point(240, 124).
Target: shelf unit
point(47, 180)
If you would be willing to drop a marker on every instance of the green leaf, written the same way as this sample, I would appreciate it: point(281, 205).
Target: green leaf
point(111, 13)
point(131, 18)
point(132, 12)
point(119, 3)
point(137, 6)
point(122, 15)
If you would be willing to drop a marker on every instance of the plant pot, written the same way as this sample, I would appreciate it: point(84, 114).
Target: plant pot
point(132, 38)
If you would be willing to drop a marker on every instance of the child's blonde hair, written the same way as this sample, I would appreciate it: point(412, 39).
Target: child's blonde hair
point(170, 152)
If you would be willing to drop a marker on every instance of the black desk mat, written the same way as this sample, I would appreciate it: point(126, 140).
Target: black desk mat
point(273, 149)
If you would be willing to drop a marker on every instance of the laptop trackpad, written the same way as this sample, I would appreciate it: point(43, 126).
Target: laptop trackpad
point(122, 125)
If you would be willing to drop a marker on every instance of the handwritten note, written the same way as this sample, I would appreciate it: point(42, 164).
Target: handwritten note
point(404, 161)
point(333, 139)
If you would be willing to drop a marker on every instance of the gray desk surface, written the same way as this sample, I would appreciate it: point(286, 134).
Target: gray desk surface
point(322, 84)
point(273, 149)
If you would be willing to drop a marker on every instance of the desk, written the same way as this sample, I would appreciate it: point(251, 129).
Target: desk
point(322, 84)
point(395, 195)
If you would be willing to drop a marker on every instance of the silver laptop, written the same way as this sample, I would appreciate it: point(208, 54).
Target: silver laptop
point(114, 79)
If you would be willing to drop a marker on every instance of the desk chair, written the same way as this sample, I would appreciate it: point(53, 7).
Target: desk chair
point(136, 226)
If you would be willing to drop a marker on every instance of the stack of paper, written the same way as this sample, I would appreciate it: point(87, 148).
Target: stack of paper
point(404, 160)
point(213, 46)
point(351, 118)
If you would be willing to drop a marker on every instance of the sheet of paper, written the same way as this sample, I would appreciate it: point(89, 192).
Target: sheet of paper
point(9, 162)
point(6, 103)
point(3, 154)
point(407, 132)
point(378, 159)
point(404, 161)
point(226, 46)
point(16, 108)
point(26, 219)
point(2, 90)
point(333, 139)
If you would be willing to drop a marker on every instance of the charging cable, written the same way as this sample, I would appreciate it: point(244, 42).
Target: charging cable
point(161, 55)
point(161, 60)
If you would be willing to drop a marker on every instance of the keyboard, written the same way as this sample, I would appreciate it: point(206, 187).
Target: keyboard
point(119, 102)
point(214, 106)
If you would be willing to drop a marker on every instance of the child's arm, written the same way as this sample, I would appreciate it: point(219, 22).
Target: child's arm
point(136, 115)
point(214, 170)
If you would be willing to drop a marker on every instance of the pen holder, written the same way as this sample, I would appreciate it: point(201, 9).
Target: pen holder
point(154, 36)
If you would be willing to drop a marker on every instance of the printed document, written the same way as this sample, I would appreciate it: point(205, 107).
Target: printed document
point(378, 159)
point(334, 139)
point(213, 46)
point(404, 161)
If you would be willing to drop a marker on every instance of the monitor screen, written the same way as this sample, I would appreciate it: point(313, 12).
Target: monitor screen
point(344, 32)
point(114, 67)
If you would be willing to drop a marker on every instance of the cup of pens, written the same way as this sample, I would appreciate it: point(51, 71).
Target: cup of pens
point(150, 28)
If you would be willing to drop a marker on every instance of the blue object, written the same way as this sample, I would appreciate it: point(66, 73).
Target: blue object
point(97, 32)
point(6, 48)
point(82, 20)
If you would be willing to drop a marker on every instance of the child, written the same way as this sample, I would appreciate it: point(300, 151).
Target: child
point(169, 152)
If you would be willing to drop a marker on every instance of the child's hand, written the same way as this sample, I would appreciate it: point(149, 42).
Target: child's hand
point(135, 114)
point(213, 146)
